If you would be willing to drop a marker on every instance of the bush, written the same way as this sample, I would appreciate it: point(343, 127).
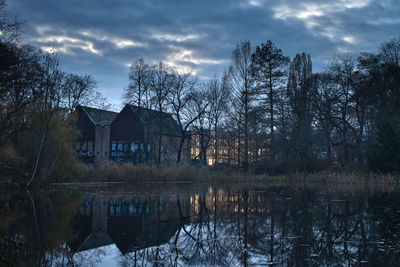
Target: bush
point(11, 165)
point(384, 156)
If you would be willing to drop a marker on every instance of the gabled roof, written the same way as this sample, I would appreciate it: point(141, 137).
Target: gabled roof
point(151, 118)
point(99, 116)
point(95, 240)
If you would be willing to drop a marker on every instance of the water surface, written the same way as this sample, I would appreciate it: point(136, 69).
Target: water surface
point(199, 225)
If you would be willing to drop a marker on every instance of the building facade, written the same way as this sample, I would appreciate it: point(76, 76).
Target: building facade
point(93, 144)
point(132, 135)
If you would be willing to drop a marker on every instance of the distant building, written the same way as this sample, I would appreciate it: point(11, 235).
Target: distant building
point(131, 135)
point(203, 149)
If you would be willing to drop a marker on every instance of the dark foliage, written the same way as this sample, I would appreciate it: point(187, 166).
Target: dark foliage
point(384, 156)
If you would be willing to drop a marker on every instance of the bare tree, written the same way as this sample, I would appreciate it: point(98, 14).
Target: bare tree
point(48, 103)
point(202, 125)
point(10, 30)
point(183, 99)
point(79, 89)
point(160, 86)
point(137, 91)
point(217, 96)
point(341, 71)
point(20, 81)
point(240, 81)
point(324, 101)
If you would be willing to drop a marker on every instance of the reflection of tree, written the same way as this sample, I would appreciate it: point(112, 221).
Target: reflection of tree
point(26, 241)
point(287, 228)
point(384, 210)
point(222, 227)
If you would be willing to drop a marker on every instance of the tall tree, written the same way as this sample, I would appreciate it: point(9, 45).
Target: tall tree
point(270, 71)
point(160, 86)
point(240, 81)
point(137, 92)
point(299, 90)
point(202, 125)
point(183, 99)
point(217, 96)
point(324, 100)
point(342, 73)
point(20, 81)
point(389, 54)
point(48, 103)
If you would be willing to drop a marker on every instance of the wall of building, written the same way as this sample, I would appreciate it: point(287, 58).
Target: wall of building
point(102, 143)
point(127, 127)
point(84, 145)
point(169, 149)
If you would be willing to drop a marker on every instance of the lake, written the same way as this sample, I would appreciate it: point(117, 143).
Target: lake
point(185, 224)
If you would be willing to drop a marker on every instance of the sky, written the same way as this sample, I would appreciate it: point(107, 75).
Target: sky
point(103, 37)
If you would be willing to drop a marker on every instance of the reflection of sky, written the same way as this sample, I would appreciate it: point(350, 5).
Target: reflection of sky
point(102, 256)
point(102, 39)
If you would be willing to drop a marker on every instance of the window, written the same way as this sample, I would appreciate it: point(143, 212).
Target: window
point(134, 147)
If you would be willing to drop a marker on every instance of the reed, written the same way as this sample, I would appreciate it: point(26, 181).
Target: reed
point(328, 181)
point(128, 172)
point(346, 182)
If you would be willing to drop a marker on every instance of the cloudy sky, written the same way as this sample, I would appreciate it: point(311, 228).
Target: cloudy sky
point(103, 37)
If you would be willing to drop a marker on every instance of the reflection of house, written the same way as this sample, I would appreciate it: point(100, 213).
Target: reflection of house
point(130, 135)
point(129, 223)
point(94, 142)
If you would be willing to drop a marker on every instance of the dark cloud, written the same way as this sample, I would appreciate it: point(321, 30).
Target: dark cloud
point(103, 37)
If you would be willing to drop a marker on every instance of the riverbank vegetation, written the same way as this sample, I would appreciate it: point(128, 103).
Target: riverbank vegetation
point(272, 113)
point(37, 97)
point(330, 180)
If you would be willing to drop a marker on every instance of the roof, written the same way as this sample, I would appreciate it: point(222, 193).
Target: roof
point(95, 240)
point(100, 116)
point(151, 118)
point(143, 235)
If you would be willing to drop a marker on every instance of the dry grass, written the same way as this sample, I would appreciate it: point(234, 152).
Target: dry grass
point(128, 172)
point(334, 182)
point(328, 181)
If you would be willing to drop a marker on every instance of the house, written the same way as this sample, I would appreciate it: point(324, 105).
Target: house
point(132, 135)
point(136, 134)
point(93, 145)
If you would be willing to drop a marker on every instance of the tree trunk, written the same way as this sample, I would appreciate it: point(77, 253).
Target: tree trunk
point(181, 143)
point(271, 110)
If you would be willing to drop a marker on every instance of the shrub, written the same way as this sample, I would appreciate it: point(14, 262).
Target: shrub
point(384, 156)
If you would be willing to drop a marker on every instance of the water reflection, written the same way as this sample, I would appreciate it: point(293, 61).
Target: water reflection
point(223, 226)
